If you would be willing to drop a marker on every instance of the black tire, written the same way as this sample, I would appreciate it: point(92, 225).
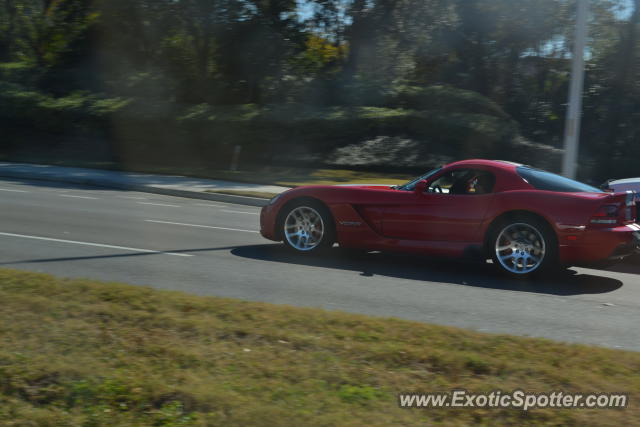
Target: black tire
point(524, 239)
point(291, 222)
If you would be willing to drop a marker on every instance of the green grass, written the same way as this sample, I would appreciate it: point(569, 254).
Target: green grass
point(81, 352)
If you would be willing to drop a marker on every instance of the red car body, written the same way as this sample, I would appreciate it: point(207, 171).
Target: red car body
point(375, 217)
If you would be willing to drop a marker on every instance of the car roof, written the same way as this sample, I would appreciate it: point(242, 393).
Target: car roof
point(624, 181)
point(499, 164)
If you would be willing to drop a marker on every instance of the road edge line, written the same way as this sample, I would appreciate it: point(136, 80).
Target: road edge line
point(218, 197)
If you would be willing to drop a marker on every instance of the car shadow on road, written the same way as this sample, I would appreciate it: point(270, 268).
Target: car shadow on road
point(421, 268)
point(630, 265)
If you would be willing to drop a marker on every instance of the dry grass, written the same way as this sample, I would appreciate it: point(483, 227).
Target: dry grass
point(80, 352)
point(245, 193)
point(293, 177)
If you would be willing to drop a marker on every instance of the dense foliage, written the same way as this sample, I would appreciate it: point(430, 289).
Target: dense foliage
point(461, 77)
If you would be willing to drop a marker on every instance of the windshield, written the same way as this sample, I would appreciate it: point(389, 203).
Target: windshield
point(543, 180)
point(409, 186)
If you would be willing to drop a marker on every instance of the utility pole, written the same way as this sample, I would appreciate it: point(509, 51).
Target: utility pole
point(574, 107)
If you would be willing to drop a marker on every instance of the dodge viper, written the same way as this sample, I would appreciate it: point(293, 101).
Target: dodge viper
point(524, 219)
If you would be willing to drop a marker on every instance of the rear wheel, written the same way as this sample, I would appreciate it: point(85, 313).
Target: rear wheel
point(307, 226)
point(524, 247)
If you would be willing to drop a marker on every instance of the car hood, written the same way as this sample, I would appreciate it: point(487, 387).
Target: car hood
point(371, 186)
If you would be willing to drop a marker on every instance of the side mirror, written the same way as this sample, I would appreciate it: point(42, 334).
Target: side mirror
point(420, 187)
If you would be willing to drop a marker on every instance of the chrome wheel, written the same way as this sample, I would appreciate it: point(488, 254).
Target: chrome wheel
point(520, 248)
point(304, 228)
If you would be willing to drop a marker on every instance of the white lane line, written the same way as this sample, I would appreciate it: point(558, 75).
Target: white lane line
point(200, 226)
point(13, 191)
point(77, 197)
point(159, 204)
point(209, 205)
point(100, 245)
point(242, 212)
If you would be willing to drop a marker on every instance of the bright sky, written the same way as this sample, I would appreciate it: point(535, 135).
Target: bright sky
point(626, 9)
point(305, 9)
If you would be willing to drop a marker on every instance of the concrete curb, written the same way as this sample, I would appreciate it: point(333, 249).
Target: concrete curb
point(218, 197)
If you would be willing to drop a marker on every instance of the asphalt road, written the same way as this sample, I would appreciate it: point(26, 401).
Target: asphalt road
point(211, 248)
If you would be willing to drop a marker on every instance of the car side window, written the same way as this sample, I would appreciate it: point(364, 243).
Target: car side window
point(463, 181)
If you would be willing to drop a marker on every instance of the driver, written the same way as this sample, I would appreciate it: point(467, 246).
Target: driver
point(482, 184)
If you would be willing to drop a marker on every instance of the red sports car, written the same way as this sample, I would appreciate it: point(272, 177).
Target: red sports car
point(526, 220)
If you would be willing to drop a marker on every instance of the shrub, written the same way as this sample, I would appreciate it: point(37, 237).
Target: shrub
point(444, 99)
point(457, 124)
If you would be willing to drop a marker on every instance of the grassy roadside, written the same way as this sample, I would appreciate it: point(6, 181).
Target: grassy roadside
point(80, 352)
point(291, 177)
point(288, 177)
point(245, 193)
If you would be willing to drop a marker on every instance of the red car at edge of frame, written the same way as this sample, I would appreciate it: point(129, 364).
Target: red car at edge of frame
point(526, 220)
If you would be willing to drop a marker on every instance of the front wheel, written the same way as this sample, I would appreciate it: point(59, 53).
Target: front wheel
point(307, 226)
point(523, 247)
